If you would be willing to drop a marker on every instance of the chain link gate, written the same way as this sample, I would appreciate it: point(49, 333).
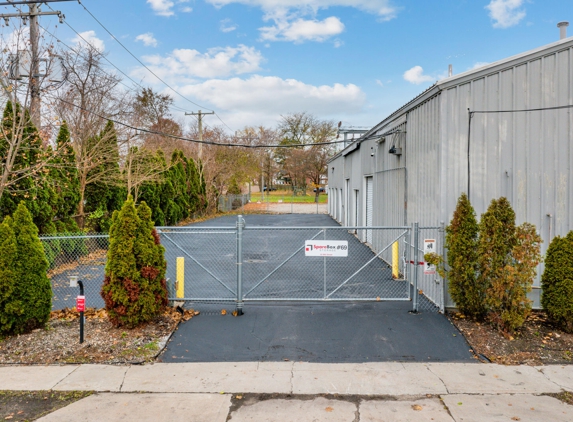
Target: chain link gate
point(261, 263)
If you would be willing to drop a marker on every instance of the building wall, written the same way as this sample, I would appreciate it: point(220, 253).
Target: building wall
point(524, 156)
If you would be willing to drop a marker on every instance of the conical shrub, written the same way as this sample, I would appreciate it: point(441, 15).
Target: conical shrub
point(30, 301)
point(557, 282)
point(9, 250)
point(461, 241)
point(134, 288)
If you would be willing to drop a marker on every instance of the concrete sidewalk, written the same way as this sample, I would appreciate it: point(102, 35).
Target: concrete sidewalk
point(298, 391)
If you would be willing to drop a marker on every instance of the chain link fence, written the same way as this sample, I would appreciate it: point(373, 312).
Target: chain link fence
point(212, 268)
point(423, 277)
point(233, 202)
point(81, 255)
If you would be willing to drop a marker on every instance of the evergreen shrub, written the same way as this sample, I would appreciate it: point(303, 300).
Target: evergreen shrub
point(134, 288)
point(557, 282)
point(461, 241)
point(507, 260)
point(29, 302)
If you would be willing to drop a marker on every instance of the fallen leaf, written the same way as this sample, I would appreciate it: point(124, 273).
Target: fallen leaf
point(224, 312)
point(239, 397)
point(8, 417)
point(235, 313)
point(515, 418)
point(378, 299)
point(416, 407)
point(329, 409)
point(533, 408)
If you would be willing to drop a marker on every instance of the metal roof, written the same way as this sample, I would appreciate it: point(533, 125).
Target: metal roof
point(438, 86)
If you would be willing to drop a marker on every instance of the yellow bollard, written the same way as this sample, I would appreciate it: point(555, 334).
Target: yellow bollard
point(395, 258)
point(180, 277)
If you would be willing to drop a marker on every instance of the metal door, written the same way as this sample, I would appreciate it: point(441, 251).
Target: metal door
point(369, 198)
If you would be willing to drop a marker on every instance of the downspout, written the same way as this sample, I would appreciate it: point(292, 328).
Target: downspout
point(470, 115)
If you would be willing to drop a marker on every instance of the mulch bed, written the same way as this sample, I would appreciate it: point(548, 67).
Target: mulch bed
point(538, 342)
point(58, 342)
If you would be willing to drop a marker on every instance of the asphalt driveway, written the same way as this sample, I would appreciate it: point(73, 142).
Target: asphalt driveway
point(313, 331)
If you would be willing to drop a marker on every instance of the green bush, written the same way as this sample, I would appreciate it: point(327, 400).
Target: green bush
point(9, 250)
point(29, 303)
point(557, 282)
point(507, 260)
point(134, 288)
point(461, 241)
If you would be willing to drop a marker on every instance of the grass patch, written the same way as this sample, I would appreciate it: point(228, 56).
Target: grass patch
point(287, 197)
point(31, 405)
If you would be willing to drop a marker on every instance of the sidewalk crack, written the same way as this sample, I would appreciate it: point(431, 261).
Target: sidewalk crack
point(444, 384)
point(55, 385)
point(549, 379)
point(123, 380)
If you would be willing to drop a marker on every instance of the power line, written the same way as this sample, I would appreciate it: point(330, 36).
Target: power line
point(523, 110)
point(181, 138)
point(149, 70)
point(103, 57)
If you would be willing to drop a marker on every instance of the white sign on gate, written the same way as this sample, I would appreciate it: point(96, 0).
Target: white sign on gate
point(326, 248)
point(429, 247)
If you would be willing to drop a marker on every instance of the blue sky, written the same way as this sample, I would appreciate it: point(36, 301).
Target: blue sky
point(351, 60)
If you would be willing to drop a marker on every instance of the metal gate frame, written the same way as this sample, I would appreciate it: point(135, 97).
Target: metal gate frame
point(412, 262)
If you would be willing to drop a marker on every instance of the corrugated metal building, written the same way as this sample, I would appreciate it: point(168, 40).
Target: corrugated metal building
point(413, 165)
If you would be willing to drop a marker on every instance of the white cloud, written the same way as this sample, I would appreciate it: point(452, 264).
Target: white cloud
point(379, 82)
point(301, 30)
point(505, 13)
point(148, 39)
point(264, 98)
point(216, 62)
point(91, 39)
point(416, 76)
point(165, 7)
point(227, 25)
point(477, 65)
point(162, 7)
point(338, 43)
point(382, 8)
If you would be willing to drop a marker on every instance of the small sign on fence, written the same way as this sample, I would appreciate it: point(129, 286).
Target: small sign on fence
point(326, 248)
point(81, 303)
point(429, 247)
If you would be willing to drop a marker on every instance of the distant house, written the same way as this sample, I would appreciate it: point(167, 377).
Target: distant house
point(505, 129)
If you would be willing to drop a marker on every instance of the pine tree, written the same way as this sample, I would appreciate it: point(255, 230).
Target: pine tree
point(31, 186)
point(461, 242)
point(107, 195)
point(557, 282)
point(8, 279)
point(134, 287)
point(65, 176)
point(31, 300)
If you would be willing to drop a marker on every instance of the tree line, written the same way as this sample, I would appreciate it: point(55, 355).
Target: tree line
point(80, 166)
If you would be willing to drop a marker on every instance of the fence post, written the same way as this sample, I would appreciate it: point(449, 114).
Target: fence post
point(324, 268)
point(415, 229)
point(240, 225)
point(444, 284)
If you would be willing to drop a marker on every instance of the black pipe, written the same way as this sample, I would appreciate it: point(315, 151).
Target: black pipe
point(470, 115)
point(81, 313)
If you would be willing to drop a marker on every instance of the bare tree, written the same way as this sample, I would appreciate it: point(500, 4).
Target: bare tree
point(89, 98)
point(308, 161)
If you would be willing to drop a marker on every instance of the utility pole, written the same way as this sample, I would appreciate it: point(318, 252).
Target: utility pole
point(35, 101)
point(34, 71)
point(200, 115)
